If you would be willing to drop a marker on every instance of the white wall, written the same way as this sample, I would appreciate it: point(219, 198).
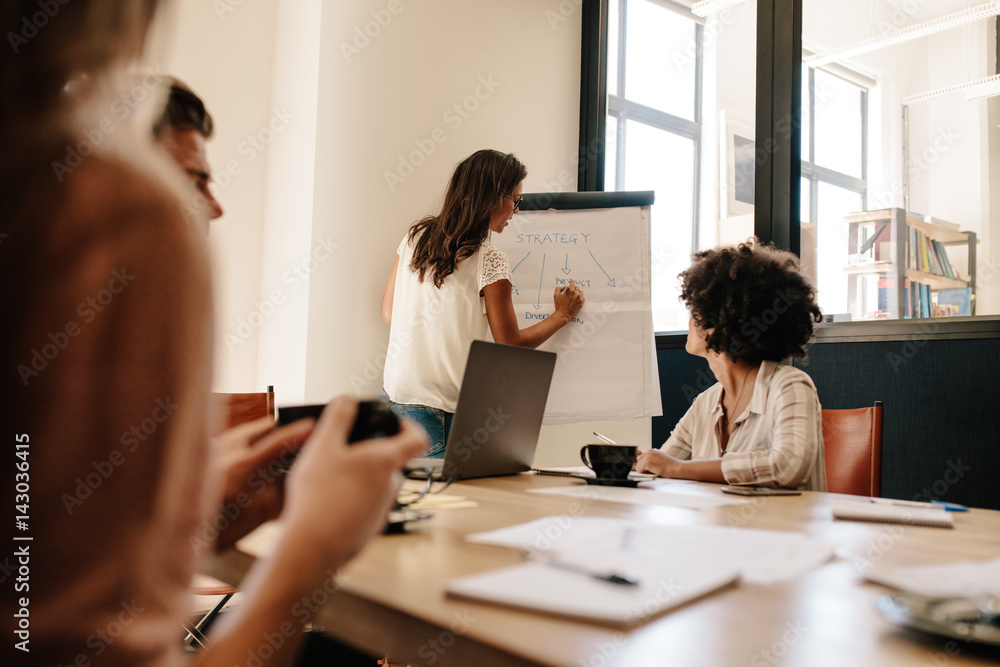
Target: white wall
point(289, 257)
point(227, 58)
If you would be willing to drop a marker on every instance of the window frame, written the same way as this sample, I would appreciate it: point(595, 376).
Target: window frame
point(816, 174)
point(624, 109)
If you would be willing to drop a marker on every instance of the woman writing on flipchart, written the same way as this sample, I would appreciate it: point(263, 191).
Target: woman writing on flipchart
point(449, 285)
point(751, 308)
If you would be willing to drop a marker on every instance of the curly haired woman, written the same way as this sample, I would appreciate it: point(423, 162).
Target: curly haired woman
point(751, 308)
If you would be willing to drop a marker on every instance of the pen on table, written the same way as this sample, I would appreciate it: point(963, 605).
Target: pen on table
point(610, 577)
point(951, 507)
point(934, 504)
point(605, 438)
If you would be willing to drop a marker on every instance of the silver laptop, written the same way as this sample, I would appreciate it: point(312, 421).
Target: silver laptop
point(498, 416)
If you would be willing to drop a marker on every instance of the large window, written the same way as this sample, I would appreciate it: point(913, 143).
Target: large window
point(653, 133)
point(680, 121)
point(886, 186)
point(834, 168)
point(898, 173)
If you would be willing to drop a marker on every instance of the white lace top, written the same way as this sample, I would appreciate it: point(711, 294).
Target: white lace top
point(432, 328)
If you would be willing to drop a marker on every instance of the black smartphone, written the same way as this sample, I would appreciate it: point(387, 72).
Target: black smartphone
point(760, 491)
point(375, 419)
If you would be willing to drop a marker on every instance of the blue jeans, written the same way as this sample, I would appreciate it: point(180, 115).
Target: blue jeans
point(435, 421)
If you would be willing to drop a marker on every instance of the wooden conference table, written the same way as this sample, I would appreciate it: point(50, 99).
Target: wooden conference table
point(390, 598)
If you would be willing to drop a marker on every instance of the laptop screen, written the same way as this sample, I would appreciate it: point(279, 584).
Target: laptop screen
point(499, 412)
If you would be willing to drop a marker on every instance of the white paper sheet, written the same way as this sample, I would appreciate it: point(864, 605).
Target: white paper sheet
point(673, 495)
point(964, 579)
point(761, 556)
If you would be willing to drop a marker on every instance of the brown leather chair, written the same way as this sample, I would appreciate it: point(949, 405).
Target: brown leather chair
point(852, 440)
point(240, 408)
point(237, 409)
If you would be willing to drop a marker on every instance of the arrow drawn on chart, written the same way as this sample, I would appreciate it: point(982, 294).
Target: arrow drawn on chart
point(611, 281)
point(519, 263)
point(540, 278)
point(566, 270)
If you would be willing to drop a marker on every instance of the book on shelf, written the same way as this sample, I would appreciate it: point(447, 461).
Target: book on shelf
point(959, 298)
point(920, 303)
point(928, 255)
point(885, 287)
point(887, 297)
point(907, 289)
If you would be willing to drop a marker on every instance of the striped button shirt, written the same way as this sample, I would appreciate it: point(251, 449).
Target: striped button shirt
point(777, 441)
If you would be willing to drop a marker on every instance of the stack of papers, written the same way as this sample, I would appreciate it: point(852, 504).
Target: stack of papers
point(965, 579)
point(672, 564)
point(654, 492)
point(760, 556)
point(660, 585)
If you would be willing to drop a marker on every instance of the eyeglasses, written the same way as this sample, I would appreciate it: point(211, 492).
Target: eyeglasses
point(407, 498)
point(517, 202)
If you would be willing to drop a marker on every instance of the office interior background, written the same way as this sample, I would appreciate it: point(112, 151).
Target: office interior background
point(338, 125)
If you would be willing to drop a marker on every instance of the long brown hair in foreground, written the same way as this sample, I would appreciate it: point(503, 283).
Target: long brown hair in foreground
point(474, 191)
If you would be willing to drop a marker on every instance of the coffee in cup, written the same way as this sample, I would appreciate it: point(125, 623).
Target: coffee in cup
point(610, 463)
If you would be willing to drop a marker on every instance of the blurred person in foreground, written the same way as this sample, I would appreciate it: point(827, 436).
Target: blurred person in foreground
point(107, 357)
point(760, 424)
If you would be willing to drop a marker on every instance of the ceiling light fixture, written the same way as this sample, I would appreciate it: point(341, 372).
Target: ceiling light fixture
point(988, 87)
point(906, 34)
point(974, 90)
point(706, 7)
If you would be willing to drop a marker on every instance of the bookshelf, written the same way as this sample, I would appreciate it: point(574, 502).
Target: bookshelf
point(898, 264)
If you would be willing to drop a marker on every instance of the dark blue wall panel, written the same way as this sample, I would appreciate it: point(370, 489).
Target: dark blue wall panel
point(682, 377)
point(941, 430)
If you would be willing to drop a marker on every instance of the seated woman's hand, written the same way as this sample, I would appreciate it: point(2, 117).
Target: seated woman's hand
point(658, 463)
point(338, 495)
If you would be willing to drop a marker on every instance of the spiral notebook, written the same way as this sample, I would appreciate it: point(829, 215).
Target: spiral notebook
point(660, 584)
point(886, 512)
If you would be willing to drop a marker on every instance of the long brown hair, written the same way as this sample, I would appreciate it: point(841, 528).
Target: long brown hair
point(51, 47)
point(464, 221)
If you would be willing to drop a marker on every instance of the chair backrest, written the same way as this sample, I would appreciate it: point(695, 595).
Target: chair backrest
point(240, 408)
point(852, 440)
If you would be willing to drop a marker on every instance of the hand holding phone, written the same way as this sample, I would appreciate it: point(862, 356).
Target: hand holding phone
point(375, 419)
